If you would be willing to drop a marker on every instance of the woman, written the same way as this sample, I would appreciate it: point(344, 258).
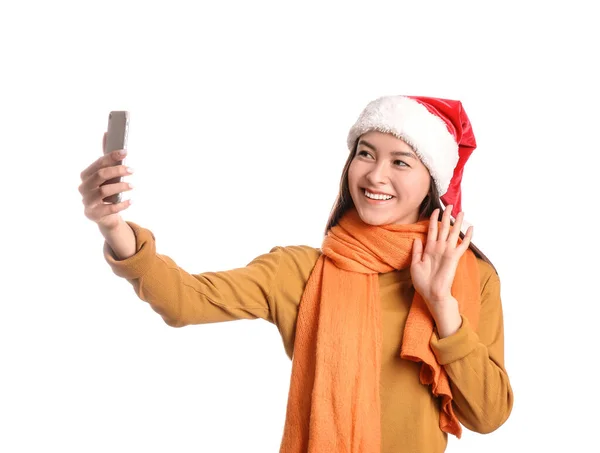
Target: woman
point(394, 326)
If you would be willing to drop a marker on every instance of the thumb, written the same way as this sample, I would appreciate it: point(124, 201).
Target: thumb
point(417, 250)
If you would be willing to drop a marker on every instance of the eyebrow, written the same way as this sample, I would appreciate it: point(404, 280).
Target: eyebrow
point(394, 153)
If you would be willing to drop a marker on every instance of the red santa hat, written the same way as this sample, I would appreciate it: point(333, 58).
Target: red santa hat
point(438, 130)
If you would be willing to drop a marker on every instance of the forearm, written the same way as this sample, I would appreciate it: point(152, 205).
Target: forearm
point(481, 391)
point(483, 397)
point(446, 317)
point(182, 298)
point(121, 240)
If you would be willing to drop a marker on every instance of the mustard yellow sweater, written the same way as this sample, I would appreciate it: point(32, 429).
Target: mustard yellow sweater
point(270, 287)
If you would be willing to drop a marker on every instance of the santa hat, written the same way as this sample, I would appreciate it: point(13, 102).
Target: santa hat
point(438, 130)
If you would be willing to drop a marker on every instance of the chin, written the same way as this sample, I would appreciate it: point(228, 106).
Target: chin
point(375, 218)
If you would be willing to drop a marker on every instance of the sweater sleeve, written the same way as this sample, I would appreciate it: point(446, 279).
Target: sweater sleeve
point(182, 298)
point(481, 390)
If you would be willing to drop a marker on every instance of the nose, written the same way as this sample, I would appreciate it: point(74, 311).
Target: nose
point(378, 174)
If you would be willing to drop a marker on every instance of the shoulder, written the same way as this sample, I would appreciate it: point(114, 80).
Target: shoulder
point(300, 258)
point(489, 281)
point(286, 263)
point(295, 265)
point(486, 270)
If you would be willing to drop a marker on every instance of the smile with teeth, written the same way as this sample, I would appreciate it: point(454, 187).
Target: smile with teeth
point(379, 197)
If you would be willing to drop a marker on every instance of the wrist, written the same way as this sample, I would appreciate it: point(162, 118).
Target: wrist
point(104, 230)
point(121, 240)
point(447, 317)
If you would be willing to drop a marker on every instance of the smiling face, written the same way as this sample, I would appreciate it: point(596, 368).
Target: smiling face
point(384, 164)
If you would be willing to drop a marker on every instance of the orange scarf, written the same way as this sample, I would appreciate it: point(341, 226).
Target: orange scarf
point(333, 404)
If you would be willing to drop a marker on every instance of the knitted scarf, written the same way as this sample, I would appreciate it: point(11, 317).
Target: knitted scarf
point(333, 403)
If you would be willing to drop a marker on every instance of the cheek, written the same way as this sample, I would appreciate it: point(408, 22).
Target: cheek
point(421, 184)
point(415, 185)
point(424, 185)
point(351, 175)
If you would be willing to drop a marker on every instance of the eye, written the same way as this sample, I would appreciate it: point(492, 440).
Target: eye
point(400, 164)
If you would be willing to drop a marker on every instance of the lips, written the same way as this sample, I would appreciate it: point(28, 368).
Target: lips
point(375, 202)
point(376, 193)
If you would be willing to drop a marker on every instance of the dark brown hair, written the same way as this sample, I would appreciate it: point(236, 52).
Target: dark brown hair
point(431, 202)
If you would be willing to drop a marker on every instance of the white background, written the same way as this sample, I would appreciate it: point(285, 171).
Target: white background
point(239, 114)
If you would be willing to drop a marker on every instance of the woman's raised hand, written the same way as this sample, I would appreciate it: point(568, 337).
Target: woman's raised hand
point(433, 269)
point(106, 215)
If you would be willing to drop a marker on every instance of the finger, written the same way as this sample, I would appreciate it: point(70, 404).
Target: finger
point(103, 174)
point(102, 210)
point(417, 251)
point(433, 229)
point(464, 245)
point(96, 196)
point(443, 236)
point(107, 160)
point(455, 230)
point(92, 168)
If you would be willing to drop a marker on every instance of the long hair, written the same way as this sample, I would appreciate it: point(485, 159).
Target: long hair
point(431, 202)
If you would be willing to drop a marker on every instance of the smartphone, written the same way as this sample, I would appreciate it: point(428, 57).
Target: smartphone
point(116, 138)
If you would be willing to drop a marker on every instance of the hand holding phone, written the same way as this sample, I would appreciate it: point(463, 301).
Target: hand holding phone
point(101, 199)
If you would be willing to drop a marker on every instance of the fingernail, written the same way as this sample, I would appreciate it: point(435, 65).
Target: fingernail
point(129, 170)
point(122, 152)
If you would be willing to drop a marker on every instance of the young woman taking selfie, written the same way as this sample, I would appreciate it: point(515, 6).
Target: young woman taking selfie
point(394, 326)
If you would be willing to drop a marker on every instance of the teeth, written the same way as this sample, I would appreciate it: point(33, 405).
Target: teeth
point(376, 196)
